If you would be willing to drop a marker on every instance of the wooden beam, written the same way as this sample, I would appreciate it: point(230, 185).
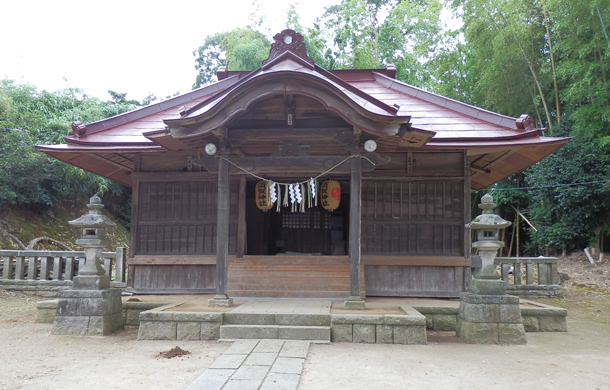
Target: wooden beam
point(259, 165)
point(416, 261)
point(172, 260)
point(174, 176)
point(281, 134)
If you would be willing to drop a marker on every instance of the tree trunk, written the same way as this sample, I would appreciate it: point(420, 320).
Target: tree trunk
point(548, 37)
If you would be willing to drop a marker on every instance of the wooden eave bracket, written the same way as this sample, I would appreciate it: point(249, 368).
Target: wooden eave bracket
point(164, 139)
point(414, 138)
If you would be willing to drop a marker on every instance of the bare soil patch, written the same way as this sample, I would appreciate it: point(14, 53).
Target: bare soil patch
point(174, 352)
point(576, 272)
point(33, 359)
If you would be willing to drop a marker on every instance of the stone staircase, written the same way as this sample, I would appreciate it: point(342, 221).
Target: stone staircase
point(292, 326)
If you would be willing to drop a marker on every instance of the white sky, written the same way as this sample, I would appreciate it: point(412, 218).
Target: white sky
point(133, 46)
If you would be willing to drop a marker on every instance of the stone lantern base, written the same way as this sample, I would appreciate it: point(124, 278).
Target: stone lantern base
point(490, 319)
point(88, 312)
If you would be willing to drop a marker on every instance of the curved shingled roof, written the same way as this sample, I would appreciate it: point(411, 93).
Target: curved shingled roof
point(369, 99)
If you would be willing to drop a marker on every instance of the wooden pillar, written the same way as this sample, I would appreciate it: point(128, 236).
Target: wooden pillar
point(355, 227)
point(222, 236)
point(135, 222)
point(241, 219)
point(467, 218)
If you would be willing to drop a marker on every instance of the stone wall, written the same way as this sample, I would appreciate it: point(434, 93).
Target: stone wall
point(163, 324)
point(159, 322)
point(44, 288)
point(380, 329)
point(131, 311)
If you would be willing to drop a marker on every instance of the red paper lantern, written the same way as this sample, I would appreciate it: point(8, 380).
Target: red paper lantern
point(330, 195)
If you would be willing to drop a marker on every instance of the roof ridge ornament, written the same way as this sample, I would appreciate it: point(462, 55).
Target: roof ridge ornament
point(288, 40)
point(78, 129)
point(524, 122)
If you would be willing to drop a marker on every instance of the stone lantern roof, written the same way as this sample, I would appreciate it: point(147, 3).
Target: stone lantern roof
point(488, 220)
point(95, 218)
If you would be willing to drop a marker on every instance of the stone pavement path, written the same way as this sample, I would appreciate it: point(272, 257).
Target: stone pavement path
point(256, 364)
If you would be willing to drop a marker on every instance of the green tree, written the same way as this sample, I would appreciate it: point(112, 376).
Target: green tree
point(29, 117)
point(548, 58)
point(353, 27)
point(505, 50)
point(571, 196)
point(238, 49)
point(580, 30)
point(365, 34)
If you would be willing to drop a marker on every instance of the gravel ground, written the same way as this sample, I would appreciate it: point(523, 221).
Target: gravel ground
point(32, 359)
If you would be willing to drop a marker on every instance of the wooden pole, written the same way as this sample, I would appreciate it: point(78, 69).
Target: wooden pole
point(222, 237)
point(355, 233)
point(517, 240)
point(241, 215)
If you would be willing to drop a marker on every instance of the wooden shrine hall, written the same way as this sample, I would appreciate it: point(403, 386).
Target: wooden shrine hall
point(233, 182)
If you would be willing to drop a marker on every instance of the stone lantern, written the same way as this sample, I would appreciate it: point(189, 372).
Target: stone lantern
point(91, 307)
point(93, 240)
point(488, 226)
point(487, 314)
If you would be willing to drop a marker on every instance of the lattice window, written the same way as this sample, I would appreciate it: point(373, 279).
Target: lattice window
point(311, 219)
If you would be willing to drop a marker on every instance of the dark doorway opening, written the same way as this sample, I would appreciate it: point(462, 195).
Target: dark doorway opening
point(314, 231)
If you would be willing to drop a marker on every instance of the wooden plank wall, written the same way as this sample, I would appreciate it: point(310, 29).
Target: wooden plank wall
point(291, 277)
point(413, 217)
point(416, 281)
point(177, 218)
point(180, 218)
point(173, 279)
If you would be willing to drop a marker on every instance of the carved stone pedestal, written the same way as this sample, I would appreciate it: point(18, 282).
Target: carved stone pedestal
point(490, 319)
point(88, 312)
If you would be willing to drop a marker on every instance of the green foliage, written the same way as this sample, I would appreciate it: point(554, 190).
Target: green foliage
point(238, 49)
point(28, 177)
point(29, 117)
point(365, 34)
point(354, 27)
point(504, 50)
point(548, 58)
point(571, 215)
point(410, 37)
point(582, 46)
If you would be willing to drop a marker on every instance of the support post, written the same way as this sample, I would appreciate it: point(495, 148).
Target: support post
point(119, 270)
point(355, 227)
point(222, 237)
point(241, 219)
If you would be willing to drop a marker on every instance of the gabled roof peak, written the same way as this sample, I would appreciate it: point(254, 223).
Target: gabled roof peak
point(288, 41)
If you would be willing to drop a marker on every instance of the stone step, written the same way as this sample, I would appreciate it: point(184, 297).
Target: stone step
point(236, 318)
point(280, 332)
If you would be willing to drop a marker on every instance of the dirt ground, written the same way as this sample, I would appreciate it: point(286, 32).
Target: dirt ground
point(32, 359)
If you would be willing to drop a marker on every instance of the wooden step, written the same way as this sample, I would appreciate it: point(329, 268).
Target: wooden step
point(291, 276)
